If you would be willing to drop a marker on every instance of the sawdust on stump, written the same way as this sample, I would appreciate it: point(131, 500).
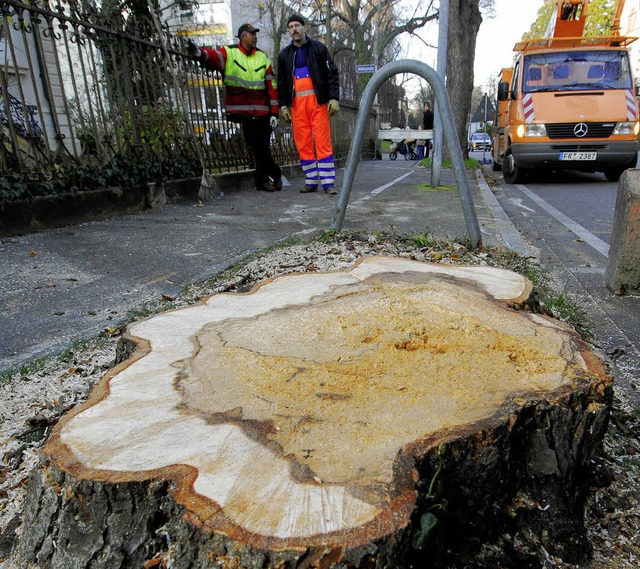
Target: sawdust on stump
point(297, 415)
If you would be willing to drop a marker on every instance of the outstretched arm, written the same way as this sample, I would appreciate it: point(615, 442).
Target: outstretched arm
point(213, 59)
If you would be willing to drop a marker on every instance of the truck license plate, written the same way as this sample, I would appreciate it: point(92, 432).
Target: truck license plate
point(578, 155)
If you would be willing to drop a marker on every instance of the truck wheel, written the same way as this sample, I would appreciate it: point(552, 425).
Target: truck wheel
point(393, 155)
point(613, 174)
point(511, 173)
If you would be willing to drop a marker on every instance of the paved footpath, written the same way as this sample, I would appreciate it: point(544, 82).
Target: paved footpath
point(65, 284)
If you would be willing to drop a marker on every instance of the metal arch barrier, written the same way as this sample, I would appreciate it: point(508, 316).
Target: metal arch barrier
point(448, 126)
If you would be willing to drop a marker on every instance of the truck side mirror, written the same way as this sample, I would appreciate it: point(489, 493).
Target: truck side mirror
point(503, 91)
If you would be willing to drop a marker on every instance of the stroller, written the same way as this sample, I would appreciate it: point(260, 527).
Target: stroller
point(405, 147)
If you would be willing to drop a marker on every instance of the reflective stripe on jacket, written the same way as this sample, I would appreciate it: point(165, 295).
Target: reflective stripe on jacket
point(248, 78)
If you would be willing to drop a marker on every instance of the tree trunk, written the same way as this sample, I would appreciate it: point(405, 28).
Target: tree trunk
point(326, 420)
point(464, 24)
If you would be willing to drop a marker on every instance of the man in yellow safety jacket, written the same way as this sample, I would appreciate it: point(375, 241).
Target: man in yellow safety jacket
point(308, 92)
point(251, 97)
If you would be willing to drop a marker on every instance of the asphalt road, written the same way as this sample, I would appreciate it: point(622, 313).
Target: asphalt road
point(567, 219)
point(66, 284)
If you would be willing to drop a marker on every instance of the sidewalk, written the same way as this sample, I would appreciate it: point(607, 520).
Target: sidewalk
point(65, 284)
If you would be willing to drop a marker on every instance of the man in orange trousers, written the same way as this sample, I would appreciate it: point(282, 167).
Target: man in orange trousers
point(308, 92)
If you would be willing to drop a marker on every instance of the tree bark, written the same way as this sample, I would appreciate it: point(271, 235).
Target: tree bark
point(464, 24)
point(324, 420)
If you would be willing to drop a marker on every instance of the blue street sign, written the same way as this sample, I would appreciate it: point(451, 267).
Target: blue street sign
point(365, 68)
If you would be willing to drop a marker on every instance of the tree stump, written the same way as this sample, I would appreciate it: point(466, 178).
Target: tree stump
point(328, 420)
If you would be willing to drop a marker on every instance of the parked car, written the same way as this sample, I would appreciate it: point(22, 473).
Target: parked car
point(479, 141)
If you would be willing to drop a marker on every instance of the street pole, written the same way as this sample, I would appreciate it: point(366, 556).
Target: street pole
point(484, 129)
point(441, 68)
point(376, 104)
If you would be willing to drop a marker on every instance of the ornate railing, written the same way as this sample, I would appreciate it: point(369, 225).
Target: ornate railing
point(85, 90)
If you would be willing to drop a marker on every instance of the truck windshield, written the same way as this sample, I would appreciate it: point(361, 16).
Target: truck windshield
point(576, 71)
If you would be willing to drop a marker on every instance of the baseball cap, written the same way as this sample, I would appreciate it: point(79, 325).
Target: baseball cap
point(246, 28)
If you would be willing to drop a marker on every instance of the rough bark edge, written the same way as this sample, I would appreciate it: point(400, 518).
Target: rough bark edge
point(538, 495)
point(509, 458)
point(210, 519)
point(210, 516)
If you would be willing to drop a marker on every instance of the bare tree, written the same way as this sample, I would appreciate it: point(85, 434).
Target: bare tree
point(464, 23)
point(375, 25)
point(367, 31)
point(274, 14)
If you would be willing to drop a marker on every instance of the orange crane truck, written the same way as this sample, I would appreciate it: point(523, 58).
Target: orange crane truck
point(569, 101)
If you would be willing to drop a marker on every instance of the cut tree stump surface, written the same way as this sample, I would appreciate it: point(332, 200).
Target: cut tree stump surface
point(292, 416)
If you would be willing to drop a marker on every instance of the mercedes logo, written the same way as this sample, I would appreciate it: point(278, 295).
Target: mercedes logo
point(580, 130)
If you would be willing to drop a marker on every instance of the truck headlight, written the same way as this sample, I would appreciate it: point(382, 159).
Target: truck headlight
point(627, 128)
point(537, 129)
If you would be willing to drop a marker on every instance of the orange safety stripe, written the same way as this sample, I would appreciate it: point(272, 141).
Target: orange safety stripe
point(312, 135)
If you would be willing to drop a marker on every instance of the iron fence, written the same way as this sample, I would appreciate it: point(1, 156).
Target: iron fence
point(85, 89)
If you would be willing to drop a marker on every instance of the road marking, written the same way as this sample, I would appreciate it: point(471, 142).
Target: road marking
point(519, 203)
point(588, 237)
point(381, 189)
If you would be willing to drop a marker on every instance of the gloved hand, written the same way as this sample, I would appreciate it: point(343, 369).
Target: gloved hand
point(333, 107)
point(285, 114)
point(193, 50)
point(273, 122)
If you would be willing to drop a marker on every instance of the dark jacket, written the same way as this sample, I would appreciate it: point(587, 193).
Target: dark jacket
point(322, 69)
point(427, 120)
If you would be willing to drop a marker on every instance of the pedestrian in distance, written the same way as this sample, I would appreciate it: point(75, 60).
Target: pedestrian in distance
point(308, 92)
point(420, 145)
point(251, 97)
point(427, 124)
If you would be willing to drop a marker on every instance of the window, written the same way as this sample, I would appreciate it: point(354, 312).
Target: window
point(186, 16)
point(576, 70)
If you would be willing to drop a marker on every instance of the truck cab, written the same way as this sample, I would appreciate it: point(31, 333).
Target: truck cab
point(568, 103)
